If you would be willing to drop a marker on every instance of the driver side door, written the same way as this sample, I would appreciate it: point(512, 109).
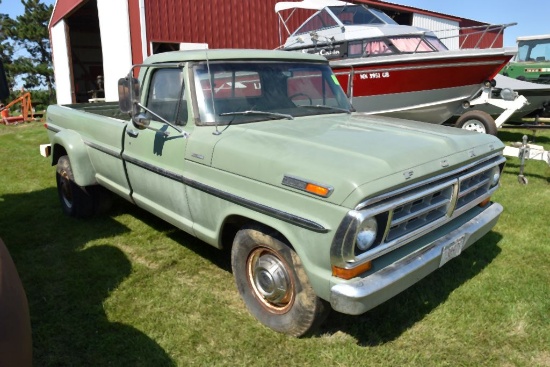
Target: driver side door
point(154, 156)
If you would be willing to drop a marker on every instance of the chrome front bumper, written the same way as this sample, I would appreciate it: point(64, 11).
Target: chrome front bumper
point(362, 294)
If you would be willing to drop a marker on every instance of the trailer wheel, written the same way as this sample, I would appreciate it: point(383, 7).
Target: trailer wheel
point(77, 201)
point(273, 284)
point(478, 121)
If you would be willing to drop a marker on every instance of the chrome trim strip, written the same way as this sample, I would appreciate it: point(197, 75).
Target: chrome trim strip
point(497, 157)
point(264, 209)
point(301, 184)
point(425, 210)
point(275, 213)
point(422, 67)
point(470, 205)
point(111, 152)
point(342, 250)
point(473, 188)
point(52, 128)
point(400, 200)
point(401, 241)
point(362, 294)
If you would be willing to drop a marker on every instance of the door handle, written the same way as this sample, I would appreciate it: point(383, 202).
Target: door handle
point(132, 133)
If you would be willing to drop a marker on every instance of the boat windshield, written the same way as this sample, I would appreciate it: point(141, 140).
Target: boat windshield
point(241, 92)
point(360, 15)
point(337, 16)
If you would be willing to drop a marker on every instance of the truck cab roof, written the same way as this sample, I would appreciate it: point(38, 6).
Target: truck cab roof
point(230, 54)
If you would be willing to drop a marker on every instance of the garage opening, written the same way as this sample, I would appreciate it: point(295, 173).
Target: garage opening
point(86, 59)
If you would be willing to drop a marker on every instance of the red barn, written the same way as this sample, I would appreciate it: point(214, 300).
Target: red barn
point(95, 42)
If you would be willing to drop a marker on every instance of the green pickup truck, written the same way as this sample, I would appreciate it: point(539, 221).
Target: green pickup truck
point(260, 152)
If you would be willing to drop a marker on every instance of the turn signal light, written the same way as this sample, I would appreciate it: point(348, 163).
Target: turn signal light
point(485, 202)
point(351, 273)
point(317, 190)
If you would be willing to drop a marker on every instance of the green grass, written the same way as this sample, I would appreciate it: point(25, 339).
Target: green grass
point(128, 289)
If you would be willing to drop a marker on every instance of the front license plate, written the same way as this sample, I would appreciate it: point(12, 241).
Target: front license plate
point(452, 250)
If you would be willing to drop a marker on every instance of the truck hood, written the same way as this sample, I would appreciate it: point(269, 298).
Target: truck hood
point(356, 155)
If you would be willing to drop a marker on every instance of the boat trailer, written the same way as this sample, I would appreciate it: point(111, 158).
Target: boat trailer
point(525, 150)
point(509, 101)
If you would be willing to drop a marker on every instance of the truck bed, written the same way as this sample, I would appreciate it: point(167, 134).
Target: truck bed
point(108, 109)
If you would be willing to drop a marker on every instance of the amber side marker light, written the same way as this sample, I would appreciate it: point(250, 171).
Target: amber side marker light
point(485, 202)
point(317, 190)
point(351, 273)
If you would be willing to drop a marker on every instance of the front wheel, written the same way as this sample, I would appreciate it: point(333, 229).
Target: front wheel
point(273, 284)
point(478, 121)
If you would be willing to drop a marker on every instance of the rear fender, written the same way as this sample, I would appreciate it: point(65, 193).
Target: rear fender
point(70, 143)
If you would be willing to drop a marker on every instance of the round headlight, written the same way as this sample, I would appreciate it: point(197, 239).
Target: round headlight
point(495, 176)
point(366, 234)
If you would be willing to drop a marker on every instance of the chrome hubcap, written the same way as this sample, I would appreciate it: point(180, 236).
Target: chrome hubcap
point(270, 279)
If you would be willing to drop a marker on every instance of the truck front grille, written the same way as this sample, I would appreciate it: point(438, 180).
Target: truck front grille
point(408, 214)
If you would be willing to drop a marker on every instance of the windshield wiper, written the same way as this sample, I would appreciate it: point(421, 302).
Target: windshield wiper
point(264, 113)
point(325, 107)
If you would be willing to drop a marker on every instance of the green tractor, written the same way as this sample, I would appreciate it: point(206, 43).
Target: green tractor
point(532, 62)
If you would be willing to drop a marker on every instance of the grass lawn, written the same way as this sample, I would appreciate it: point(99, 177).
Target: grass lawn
point(128, 289)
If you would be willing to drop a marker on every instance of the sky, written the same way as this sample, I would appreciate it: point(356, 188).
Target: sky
point(531, 15)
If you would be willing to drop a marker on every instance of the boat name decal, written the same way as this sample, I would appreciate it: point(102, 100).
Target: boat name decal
point(385, 74)
point(323, 52)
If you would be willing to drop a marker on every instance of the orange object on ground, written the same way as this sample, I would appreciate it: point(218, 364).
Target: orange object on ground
point(27, 113)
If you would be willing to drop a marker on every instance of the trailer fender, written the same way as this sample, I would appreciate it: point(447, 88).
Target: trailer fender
point(70, 143)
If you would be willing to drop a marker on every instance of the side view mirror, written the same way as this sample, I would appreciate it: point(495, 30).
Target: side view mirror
point(128, 94)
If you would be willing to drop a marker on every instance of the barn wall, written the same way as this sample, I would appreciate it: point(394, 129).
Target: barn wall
point(472, 35)
point(445, 29)
point(219, 23)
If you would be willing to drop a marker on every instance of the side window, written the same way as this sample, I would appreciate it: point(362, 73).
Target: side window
point(165, 94)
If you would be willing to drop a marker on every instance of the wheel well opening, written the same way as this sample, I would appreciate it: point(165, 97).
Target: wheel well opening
point(235, 223)
point(58, 151)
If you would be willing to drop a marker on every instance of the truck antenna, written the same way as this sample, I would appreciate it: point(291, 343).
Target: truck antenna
point(217, 132)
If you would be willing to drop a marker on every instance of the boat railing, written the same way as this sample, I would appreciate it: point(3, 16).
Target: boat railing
point(480, 33)
point(466, 34)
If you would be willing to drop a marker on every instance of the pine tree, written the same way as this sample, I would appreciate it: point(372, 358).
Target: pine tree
point(29, 31)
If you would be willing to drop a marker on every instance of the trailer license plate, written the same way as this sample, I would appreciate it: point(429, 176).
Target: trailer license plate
point(452, 250)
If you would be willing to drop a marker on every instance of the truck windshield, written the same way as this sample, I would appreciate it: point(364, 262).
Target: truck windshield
point(240, 92)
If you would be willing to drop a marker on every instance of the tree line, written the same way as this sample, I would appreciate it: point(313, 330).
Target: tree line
point(26, 52)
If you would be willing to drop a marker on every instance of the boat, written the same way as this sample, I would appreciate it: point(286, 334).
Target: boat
point(391, 69)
